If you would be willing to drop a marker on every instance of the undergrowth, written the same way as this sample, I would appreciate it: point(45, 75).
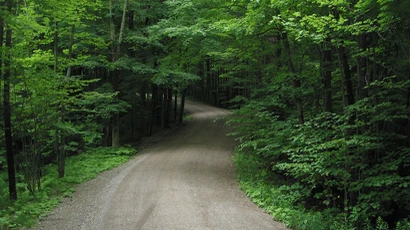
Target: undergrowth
point(24, 212)
point(279, 199)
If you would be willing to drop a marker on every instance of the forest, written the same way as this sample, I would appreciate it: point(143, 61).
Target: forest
point(319, 89)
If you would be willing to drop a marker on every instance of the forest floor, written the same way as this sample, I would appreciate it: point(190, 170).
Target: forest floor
point(184, 181)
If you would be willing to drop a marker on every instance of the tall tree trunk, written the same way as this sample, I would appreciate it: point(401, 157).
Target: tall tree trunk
point(142, 108)
point(341, 52)
point(1, 52)
point(163, 101)
point(182, 108)
point(61, 150)
point(116, 49)
point(362, 68)
point(201, 74)
point(208, 87)
point(176, 105)
point(60, 136)
point(346, 74)
point(153, 108)
point(70, 50)
point(169, 107)
point(327, 78)
point(7, 106)
point(121, 33)
point(56, 48)
point(295, 80)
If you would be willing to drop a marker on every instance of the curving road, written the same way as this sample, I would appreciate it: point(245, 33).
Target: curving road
point(186, 181)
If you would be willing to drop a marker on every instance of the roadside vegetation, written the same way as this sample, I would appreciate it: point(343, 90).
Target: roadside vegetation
point(80, 168)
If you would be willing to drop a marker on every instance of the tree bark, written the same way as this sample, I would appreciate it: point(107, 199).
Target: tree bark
point(347, 75)
point(56, 49)
point(208, 87)
point(295, 79)
point(70, 50)
point(116, 49)
point(166, 107)
point(327, 78)
point(120, 36)
point(362, 68)
point(61, 151)
point(163, 101)
point(181, 112)
point(153, 108)
point(176, 106)
point(7, 106)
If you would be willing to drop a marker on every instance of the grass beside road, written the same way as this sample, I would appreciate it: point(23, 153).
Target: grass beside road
point(24, 212)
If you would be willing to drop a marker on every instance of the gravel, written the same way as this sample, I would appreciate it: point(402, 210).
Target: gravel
point(185, 181)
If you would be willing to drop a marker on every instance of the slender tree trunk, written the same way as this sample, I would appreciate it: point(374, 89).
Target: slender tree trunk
point(112, 27)
point(163, 101)
point(60, 136)
point(115, 138)
point(56, 48)
point(201, 74)
point(362, 68)
point(142, 108)
point(296, 80)
point(116, 49)
point(181, 112)
point(347, 75)
point(208, 87)
point(61, 150)
point(169, 107)
point(120, 36)
point(7, 106)
point(70, 50)
point(176, 105)
point(153, 108)
point(327, 78)
point(341, 52)
point(1, 51)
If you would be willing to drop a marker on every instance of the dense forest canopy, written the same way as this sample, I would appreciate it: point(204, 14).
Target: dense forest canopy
point(320, 90)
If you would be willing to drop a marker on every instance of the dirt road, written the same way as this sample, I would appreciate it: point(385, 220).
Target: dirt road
point(187, 181)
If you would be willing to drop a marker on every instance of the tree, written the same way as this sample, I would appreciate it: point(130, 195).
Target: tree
point(6, 58)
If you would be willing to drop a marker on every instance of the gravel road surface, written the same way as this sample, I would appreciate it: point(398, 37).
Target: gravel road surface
point(186, 181)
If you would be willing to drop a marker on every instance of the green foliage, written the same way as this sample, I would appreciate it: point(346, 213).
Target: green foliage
point(277, 199)
point(80, 168)
point(328, 162)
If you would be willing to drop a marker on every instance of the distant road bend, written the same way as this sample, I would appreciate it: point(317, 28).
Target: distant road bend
point(186, 181)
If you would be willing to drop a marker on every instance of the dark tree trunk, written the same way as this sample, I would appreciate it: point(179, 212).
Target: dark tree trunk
point(60, 149)
point(115, 122)
point(1, 53)
point(347, 75)
point(163, 100)
point(181, 112)
point(143, 107)
point(345, 68)
point(61, 158)
point(327, 78)
point(153, 108)
point(7, 107)
point(208, 87)
point(295, 80)
point(201, 73)
point(70, 49)
point(176, 106)
point(167, 104)
point(362, 68)
point(56, 49)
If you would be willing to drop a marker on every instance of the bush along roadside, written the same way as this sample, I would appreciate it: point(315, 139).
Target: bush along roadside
point(24, 212)
point(281, 200)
